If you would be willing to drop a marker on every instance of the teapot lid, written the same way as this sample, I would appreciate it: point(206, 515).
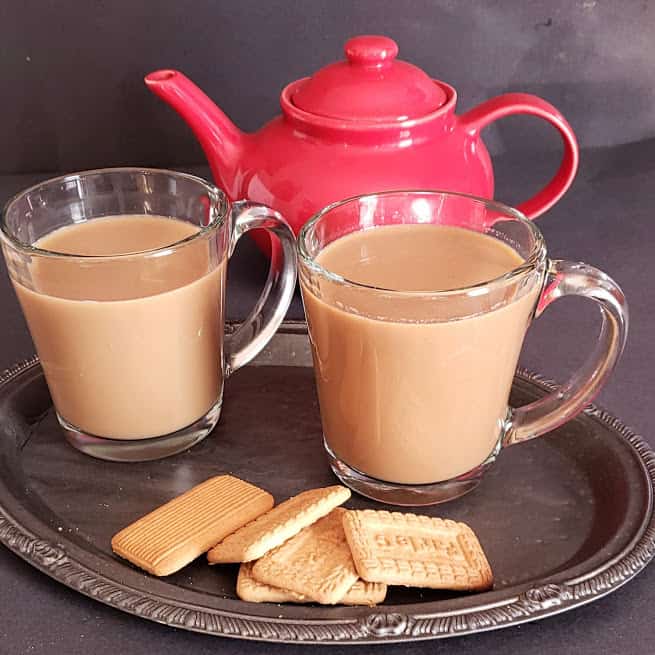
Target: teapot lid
point(371, 85)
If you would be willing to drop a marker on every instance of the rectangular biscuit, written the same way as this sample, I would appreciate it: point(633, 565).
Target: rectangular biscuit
point(315, 563)
point(272, 529)
point(258, 592)
point(416, 551)
point(171, 536)
point(253, 591)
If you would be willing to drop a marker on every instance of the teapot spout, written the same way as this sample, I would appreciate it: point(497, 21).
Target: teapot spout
point(221, 139)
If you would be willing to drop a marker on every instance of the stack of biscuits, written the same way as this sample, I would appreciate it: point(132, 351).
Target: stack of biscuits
point(306, 549)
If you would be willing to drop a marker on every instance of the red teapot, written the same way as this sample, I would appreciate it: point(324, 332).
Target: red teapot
point(370, 123)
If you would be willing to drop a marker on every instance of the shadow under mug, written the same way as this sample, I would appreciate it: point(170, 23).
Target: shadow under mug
point(414, 386)
point(132, 345)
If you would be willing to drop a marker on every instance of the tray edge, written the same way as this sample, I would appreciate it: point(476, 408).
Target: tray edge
point(387, 627)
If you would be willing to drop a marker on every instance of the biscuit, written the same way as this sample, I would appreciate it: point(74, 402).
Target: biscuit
point(273, 528)
point(249, 589)
point(171, 536)
point(315, 563)
point(365, 593)
point(258, 592)
point(416, 551)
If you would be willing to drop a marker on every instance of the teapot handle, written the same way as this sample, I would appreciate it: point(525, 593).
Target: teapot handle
point(508, 104)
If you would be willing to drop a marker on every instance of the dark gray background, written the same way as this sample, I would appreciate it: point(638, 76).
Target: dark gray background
point(72, 98)
point(73, 95)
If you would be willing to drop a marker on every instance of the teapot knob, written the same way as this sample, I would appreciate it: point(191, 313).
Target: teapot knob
point(371, 51)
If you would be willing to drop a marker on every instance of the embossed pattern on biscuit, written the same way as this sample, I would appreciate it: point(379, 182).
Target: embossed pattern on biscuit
point(316, 562)
point(272, 529)
point(365, 593)
point(417, 551)
point(171, 536)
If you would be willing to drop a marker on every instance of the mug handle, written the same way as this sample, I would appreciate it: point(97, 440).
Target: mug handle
point(507, 104)
point(575, 279)
point(271, 307)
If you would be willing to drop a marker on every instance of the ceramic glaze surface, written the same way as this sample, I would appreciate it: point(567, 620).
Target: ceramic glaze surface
point(369, 123)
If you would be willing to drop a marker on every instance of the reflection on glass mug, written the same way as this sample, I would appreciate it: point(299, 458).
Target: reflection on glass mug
point(417, 305)
point(121, 276)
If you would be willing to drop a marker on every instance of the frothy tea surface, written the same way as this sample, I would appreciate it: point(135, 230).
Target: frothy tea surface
point(419, 258)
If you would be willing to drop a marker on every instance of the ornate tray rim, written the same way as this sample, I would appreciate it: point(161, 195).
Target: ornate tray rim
point(375, 627)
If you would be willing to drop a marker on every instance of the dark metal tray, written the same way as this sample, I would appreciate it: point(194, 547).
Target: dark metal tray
point(564, 519)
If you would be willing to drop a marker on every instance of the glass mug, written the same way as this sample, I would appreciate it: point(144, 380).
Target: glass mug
point(132, 345)
point(413, 386)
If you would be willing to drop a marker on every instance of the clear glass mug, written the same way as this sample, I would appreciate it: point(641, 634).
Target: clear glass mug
point(132, 345)
point(414, 386)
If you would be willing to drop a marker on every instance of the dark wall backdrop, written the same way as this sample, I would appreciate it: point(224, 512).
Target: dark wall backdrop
point(71, 71)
